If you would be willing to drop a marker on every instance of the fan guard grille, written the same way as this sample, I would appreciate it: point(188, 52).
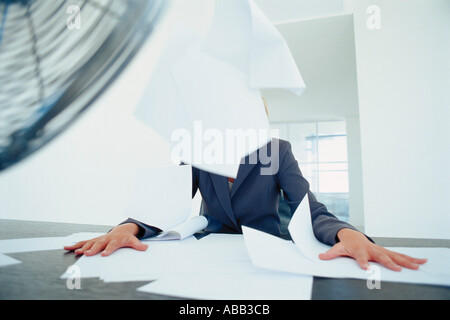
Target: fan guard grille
point(50, 73)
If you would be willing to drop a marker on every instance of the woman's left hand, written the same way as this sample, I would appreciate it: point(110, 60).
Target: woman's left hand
point(354, 244)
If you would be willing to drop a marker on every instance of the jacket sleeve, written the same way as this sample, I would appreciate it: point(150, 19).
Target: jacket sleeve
point(145, 231)
point(295, 187)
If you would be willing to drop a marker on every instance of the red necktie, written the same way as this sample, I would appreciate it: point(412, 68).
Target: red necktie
point(231, 180)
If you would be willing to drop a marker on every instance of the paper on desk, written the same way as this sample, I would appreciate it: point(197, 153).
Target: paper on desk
point(214, 267)
point(7, 261)
point(182, 231)
point(270, 286)
point(161, 256)
point(30, 245)
point(212, 255)
point(243, 36)
point(216, 255)
point(273, 253)
point(161, 197)
point(44, 243)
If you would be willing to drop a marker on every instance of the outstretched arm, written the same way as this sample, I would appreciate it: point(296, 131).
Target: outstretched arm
point(345, 239)
point(355, 245)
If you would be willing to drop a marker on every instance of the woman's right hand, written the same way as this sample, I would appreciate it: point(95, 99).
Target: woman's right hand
point(122, 236)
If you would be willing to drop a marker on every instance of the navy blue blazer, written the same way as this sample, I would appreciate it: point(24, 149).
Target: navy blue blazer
point(254, 198)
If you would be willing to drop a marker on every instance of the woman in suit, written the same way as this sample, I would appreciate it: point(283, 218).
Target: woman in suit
point(253, 200)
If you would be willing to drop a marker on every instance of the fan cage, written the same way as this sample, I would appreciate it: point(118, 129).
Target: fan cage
point(56, 58)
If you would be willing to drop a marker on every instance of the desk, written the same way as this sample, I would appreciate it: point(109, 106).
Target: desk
point(38, 277)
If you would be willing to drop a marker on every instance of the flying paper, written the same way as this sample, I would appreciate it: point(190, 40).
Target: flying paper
point(161, 197)
point(243, 36)
point(204, 94)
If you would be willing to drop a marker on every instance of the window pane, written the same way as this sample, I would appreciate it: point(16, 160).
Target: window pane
point(336, 203)
point(309, 172)
point(321, 150)
point(303, 139)
point(333, 181)
point(333, 166)
point(333, 149)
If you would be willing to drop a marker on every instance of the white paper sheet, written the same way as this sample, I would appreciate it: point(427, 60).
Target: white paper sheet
point(271, 286)
point(301, 230)
point(273, 253)
point(231, 115)
point(212, 255)
point(162, 197)
point(161, 107)
point(7, 261)
point(185, 257)
point(160, 257)
point(243, 36)
point(182, 231)
point(45, 243)
point(215, 267)
point(216, 82)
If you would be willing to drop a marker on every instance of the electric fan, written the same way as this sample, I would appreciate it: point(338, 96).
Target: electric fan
point(56, 58)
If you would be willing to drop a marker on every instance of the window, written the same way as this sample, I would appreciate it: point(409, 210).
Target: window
point(321, 150)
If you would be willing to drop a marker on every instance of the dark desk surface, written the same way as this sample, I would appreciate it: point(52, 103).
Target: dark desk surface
point(38, 276)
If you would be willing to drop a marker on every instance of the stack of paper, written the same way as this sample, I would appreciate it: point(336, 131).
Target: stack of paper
point(215, 267)
point(204, 93)
point(301, 256)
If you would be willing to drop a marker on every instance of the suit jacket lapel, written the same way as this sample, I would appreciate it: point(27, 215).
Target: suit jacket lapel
point(223, 193)
point(247, 166)
point(244, 171)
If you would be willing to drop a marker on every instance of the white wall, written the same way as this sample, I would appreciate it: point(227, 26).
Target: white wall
point(85, 175)
point(404, 97)
point(356, 188)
